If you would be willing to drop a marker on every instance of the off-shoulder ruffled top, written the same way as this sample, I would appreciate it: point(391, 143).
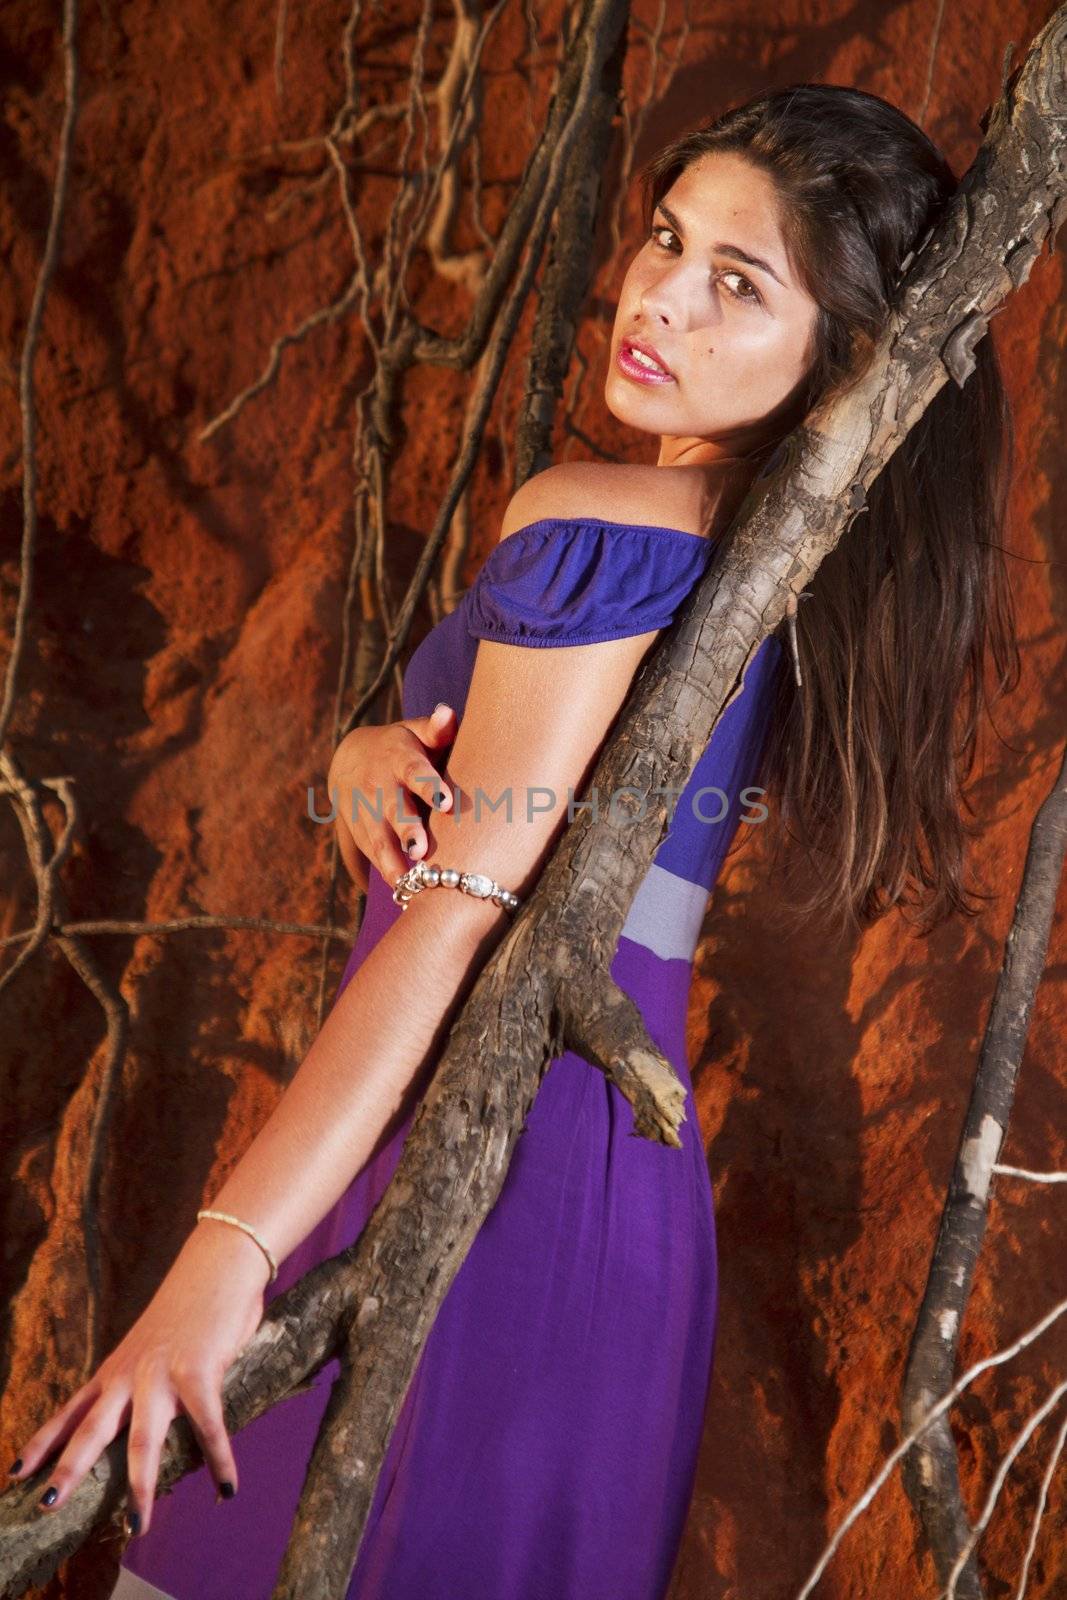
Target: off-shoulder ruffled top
point(582, 580)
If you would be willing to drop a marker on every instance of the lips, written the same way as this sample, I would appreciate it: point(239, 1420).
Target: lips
point(647, 350)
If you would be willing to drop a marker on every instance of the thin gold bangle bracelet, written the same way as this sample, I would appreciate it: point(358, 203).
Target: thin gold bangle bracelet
point(224, 1216)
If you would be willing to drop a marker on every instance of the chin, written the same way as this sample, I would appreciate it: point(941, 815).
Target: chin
point(626, 406)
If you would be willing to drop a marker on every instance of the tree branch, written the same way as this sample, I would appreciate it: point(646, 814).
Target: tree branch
point(930, 1473)
point(547, 987)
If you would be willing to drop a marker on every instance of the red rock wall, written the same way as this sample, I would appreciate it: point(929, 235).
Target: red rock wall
point(184, 641)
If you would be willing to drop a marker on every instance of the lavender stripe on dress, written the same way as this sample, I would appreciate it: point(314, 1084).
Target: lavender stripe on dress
point(547, 1444)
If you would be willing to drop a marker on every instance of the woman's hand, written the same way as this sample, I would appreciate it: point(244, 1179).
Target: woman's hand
point(173, 1359)
point(392, 757)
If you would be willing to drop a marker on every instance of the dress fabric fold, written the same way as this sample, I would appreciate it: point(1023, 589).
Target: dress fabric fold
point(547, 1445)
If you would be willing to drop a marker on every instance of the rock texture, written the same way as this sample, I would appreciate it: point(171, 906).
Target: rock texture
point(185, 637)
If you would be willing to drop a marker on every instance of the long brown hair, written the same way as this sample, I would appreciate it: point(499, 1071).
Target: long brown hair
point(865, 763)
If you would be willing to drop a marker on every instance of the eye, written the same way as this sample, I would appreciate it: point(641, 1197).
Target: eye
point(752, 299)
point(749, 297)
point(662, 228)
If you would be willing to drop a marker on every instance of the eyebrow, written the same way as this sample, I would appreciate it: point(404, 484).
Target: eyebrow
point(723, 248)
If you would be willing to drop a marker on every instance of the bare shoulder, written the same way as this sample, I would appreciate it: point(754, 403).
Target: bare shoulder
point(665, 497)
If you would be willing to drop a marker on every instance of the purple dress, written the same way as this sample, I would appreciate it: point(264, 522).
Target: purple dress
point(547, 1445)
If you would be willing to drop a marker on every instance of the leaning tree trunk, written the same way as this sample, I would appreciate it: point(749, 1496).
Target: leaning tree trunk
point(547, 986)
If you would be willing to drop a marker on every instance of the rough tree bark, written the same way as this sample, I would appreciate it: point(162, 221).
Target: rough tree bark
point(930, 1472)
point(1025, 139)
point(547, 986)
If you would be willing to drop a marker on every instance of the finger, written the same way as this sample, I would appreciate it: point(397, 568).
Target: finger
point(202, 1404)
point(420, 775)
point(378, 840)
point(155, 1405)
point(48, 1438)
point(434, 731)
point(85, 1447)
point(401, 838)
point(438, 728)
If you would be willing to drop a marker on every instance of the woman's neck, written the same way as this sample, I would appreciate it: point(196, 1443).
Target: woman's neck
point(720, 486)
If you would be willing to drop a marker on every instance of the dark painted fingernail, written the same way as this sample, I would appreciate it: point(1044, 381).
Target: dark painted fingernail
point(16, 1465)
point(50, 1496)
point(411, 845)
point(226, 1489)
point(133, 1522)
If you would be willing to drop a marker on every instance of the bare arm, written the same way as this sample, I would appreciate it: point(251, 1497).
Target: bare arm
point(534, 719)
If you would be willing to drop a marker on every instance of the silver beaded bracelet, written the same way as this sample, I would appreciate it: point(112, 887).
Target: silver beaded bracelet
point(423, 876)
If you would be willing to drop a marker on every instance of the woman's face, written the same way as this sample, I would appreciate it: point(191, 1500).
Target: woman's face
point(732, 332)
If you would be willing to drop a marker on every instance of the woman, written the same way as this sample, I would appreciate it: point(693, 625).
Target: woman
point(548, 1440)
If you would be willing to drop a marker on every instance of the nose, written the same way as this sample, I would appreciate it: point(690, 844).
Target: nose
point(657, 307)
point(677, 297)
